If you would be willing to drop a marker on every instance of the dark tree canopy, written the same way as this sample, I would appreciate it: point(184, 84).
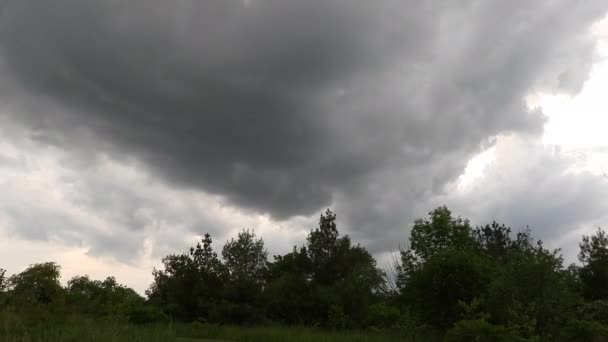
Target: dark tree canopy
point(594, 257)
point(456, 282)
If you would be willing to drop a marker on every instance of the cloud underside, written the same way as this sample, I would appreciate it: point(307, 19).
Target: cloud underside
point(276, 107)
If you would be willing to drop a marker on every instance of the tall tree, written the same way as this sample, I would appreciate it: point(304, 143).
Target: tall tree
point(190, 285)
point(438, 233)
point(36, 293)
point(344, 278)
point(245, 260)
point(594, 257)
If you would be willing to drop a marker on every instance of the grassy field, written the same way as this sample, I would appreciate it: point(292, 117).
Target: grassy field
point(78, 330)
point(271, 334)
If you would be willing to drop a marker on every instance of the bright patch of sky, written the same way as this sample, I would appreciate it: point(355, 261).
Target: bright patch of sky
point(576, 125)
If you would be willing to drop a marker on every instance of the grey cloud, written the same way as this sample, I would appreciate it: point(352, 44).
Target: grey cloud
point(534, 185)
point(286, 107)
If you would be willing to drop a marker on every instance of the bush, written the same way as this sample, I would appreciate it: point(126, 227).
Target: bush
point(479, 330)
point(584, 331)
point(382, 316)
point(147, 315)
point(337, 319)
point(595, 311)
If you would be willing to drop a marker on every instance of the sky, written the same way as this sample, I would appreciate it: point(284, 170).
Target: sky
point(128, 129)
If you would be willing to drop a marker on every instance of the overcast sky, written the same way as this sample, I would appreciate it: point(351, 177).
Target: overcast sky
point(130, 128)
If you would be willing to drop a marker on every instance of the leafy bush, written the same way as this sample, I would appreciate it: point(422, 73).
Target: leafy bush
point(337, 319)
point(382, 316)
point(595, 311)
point(147, 315)
point(479, 330)
point(584, 331)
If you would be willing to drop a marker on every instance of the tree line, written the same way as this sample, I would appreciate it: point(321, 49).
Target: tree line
point(453, 281)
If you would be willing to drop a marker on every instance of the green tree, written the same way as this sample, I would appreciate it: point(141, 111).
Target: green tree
point(105, 298)
point(246, 263)
point(190, 285)
point(38, 284)
point(494, 239)
point(438, 233)
point(437, 288)
point(37, 294)
point(288, 293)
point(341, 275)
point(246, 259)
point(531, 290)
point(3, 287)
point(325, 277)
point(594, 272)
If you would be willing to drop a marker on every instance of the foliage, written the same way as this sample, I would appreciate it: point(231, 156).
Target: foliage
point(325, 279)
point(583, 331)
point(383, 316)
point(190, 284)
point(594, 257)
point(594, 311)
point(455, 272)
point(196, 332)
point(446, 279)
point(531, 291)
point(246, 263)
point(37, 292)
point(439, 233)
point(102, 298)
point(456, 282)
point(146, 315)
point(479, 330)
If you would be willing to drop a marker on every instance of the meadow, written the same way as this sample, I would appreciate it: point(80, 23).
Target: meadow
point(87, 330)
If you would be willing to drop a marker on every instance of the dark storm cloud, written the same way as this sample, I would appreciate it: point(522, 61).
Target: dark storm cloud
point(216, 94)
point(285, 106)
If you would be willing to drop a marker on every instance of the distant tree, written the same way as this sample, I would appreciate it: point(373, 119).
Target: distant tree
point(439, 232)
point(494, 239)
point(327, 280)
point(453, 271)
point(176, 287)
point(531, 291)
point(3, 280)
point(245, 260)
point(288, 293)
point(205, 258)
point(37, 294)
point(436, 289)
point(594, 272)
point(38, 284)
point(3, 286)
point(342, 276)
point(190, 285)
point(98, 298)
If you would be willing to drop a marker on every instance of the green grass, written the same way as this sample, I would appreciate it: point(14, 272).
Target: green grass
point(86, 330)
point(76, 330)
point(271, 334)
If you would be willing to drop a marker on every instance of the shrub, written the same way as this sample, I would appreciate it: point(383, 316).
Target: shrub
point(147, 315)
point(587, 331)
point(382, 316)
point(337, 319)
point(479, 330)
point(595, 311)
